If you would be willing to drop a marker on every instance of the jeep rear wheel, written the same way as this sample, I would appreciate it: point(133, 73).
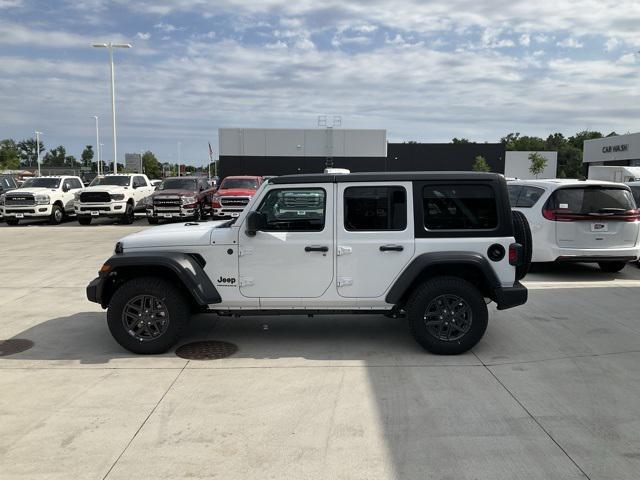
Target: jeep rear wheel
point(147, 315)
point(447, 315)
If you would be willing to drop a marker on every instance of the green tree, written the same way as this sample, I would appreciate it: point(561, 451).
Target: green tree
point(514, 141)
point(570, 162)
point(9, 155)
point(480, 165)
point(87, 155)
point(538, 163)
point(55, 157)
point(151, 166)
point(27, 151)
point(578, 139)
point(458, 141)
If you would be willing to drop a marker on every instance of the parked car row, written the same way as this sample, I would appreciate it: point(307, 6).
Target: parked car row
point(122, 195)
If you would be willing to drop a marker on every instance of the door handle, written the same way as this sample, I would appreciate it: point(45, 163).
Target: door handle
point(391, 248)
point(316, 248)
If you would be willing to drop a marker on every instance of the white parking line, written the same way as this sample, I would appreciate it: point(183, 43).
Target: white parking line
point(603, 284)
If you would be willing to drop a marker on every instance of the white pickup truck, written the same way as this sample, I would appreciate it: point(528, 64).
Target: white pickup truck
point(41, 197)
point(113, 196)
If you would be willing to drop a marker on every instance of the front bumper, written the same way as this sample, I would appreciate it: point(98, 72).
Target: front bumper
point(111, 209)
point(509, 297)
point(94, 290)
point(167, 212)
point(25, 211)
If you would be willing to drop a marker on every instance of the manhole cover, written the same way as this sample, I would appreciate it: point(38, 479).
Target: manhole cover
point(206, 350)
point(15, 345)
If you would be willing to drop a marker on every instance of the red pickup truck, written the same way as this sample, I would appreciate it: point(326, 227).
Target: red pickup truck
point(233, 195)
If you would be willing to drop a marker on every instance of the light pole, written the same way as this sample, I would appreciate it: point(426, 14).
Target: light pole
point(111, 46)
point(97, 145)
point(38, 151)
point(179, 158)
point(100, 157)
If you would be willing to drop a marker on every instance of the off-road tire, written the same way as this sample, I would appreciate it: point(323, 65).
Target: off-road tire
point(129, 215)
point(430, 291)
point(153, 220)
point(84, 220)
point(174, 301)
point(57, 215)
point(611, 267)
point(522, 234)
point(12, 221)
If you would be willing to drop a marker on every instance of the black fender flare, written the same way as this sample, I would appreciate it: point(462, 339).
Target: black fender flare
point(436, 259)
point(187, 268)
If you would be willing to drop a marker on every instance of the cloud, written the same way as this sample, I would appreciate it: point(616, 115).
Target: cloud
point(143, 36)
point(165, 27)
point(570, 42)
point(525, 40)
point(611, 44)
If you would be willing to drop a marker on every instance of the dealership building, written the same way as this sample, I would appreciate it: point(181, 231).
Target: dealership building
point(620, 150)
point(268, 151)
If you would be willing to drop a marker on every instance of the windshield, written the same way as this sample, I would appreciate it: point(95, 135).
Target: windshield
point(250, 183)
point(592, 199)
point(178, 184)
point(41, 183)
point(119, 180)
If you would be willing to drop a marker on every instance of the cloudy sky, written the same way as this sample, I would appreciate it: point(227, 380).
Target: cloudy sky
point(424, 70)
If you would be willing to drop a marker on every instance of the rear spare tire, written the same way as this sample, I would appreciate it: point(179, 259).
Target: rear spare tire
point(522, 234)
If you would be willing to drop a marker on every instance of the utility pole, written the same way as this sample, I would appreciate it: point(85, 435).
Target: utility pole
point(110, 46)
point(97, 145)
point(38, 151)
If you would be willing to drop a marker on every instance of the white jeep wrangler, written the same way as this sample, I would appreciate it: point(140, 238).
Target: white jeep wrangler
point(41, 197)
point(113, 196)
point(435, 247)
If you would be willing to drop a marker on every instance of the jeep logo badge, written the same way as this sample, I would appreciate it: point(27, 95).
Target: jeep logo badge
point(229, 280)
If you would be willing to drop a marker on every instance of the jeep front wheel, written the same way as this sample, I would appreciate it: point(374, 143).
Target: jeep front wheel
point(447, 315)
point(147, 315)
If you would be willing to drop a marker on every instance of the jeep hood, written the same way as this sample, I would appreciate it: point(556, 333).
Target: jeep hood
point(172, 235)
point(236, 192)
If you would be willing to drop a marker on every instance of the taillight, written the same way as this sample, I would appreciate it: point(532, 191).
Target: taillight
point(549, 214)
point(632, 215)
point(516, 255)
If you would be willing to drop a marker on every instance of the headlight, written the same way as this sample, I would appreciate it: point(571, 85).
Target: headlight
point(148, 201)
point(188, 200)
point(76, 195)
point(215, 201)
point(42, 199)
point(117, 196)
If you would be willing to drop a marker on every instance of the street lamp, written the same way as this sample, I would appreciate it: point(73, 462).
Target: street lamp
point(111, 46)
point(179, 158)
point(97, 145)
point(100, 158)
point(38, 151)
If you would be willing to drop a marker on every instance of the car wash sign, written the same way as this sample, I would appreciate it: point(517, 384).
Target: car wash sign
point(615, 148)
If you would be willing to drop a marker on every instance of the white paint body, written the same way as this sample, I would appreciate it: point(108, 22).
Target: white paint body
point(116, 207)
point(272, 269)
point(553, 239)
point(56, 196)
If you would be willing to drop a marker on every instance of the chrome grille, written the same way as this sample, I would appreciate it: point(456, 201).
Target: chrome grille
point(14, 199)
point(166, 202)
point(234, 201)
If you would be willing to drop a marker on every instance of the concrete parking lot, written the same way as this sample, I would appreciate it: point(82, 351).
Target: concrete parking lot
point(551, 392)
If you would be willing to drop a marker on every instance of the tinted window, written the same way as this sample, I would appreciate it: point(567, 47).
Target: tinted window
point(41, 182)
point(140, 181)
point(636, 194)
point(592, 199)
point(74, 183)
point(250, 183)
point(524, 196)
point(6, 183)
point(118, 180)
point(178, 184)
point(375, 208)
point(300, 210)
point(459, 207)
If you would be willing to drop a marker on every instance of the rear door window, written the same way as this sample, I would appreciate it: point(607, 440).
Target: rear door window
point(524, 196)
point(591, 200)
point(375, 208)
point(459, 207)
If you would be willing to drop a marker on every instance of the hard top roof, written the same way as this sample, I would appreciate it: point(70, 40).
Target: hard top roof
point(383, 177)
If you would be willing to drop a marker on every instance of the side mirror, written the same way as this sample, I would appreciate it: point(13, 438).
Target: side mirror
point(256, 221)
point(136, 185)
point(65, 188)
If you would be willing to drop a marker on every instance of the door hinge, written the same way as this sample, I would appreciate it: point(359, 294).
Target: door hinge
point(244, 251)
point(344, 250)
point(246, 281)
point(344, 281)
